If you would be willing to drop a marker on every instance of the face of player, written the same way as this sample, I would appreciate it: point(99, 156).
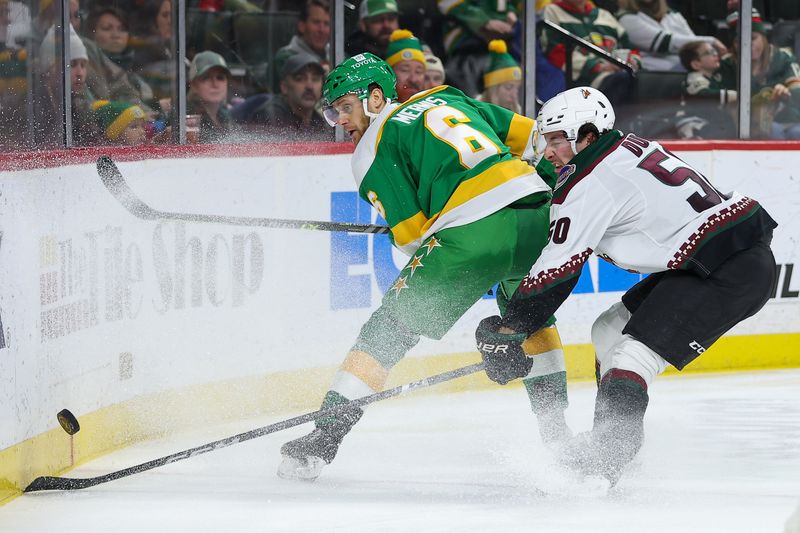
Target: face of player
point(316, 29)
point(558, 150)
point(410, 79)
point(351, 116)
point(111, 34)
point(212, 86)
point(303, 89)
point(380, 27)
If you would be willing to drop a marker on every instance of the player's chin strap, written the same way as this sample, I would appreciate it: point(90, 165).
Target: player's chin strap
point(372, 116)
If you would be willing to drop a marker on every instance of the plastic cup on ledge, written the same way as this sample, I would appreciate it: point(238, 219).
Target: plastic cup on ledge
point(192, 129)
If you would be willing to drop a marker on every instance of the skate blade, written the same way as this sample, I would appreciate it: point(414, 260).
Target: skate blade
point(307, 469)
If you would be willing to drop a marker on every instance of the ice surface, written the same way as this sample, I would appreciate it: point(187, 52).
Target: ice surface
point(722, 454)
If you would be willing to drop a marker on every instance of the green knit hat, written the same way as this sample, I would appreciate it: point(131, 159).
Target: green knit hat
point(502, 67)
point(403, 46)
point(114, 117)
point(758, 22)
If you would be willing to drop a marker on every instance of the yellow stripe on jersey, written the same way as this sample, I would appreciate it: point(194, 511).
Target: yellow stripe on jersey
point(413, 228)
point(418, 96)
point(487, 180)
point(519, 134)
point(542, 341)
point(363, 366)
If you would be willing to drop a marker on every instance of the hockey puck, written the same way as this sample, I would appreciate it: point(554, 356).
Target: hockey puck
point(68, 421)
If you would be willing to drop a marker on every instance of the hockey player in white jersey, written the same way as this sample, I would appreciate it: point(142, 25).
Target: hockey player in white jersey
point(634, 204)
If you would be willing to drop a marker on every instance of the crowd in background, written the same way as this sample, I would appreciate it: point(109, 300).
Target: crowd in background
point(255, 68)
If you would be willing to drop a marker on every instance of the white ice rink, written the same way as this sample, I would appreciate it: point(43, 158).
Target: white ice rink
point(722, 454)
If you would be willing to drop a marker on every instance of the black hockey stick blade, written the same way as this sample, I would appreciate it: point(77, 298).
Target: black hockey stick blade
point(66, 483)
point(115, 183)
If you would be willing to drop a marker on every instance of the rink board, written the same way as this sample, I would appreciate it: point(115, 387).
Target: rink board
point(144, 327)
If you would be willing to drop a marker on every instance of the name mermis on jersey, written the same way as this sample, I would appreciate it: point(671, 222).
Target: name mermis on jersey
point(349, 251)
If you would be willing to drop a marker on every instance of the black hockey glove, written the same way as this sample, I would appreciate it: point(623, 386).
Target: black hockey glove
point(502, 352)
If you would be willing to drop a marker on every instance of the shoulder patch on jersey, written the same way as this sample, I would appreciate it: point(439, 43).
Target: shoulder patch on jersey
point(564, 175)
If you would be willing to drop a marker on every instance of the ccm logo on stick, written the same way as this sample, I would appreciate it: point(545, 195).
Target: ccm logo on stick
point(493, 348)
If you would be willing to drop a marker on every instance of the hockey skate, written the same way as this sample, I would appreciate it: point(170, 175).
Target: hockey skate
point(304, 458)
point(584, 455)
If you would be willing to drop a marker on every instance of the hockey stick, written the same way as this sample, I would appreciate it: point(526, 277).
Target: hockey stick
point(66, 483)
point(115, 183)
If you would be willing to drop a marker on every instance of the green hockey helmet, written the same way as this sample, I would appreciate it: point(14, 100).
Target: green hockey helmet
point(354, 76)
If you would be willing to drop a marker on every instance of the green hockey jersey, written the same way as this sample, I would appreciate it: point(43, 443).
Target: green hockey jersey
point(443, 160)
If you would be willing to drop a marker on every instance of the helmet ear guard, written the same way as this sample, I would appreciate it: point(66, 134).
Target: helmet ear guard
point(571, 109)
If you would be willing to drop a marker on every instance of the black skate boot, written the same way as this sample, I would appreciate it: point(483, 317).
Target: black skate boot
point(304, 458)
point(617, 434)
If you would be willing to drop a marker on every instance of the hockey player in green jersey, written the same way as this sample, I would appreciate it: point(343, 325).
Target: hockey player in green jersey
point(450, 177)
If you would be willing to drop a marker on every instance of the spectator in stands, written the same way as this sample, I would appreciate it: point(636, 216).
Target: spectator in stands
point(406, 58)
point(701, 60)
point(549, 78)
point(775, 83)
point(153, 54)
point(122, 123)
point(110, 75)
point(434, 71)
point(18, 26)
point(470, 25)
point(502, 79)
point(75, 15)
point(47, 108)
point(659, 33)
point(13, 85)
point(377, 20)
point(598, 26)
point(292, 114)
point(208, 96)
point(313, 37)
point(705, 113)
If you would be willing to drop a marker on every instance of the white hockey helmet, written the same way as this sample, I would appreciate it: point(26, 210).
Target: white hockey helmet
point(571, 109)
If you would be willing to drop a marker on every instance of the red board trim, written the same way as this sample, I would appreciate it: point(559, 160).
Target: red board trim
point(79, 156)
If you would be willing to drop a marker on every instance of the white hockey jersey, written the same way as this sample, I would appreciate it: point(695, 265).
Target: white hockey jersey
point(633, 203)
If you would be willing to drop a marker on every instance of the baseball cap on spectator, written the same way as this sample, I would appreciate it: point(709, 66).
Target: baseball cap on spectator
point(502, 67)
point(403, 46)
point(205, 61)
point(47, 52)
point(114, 117)
point(298, 61)
point(373, 8)
point(758, 22)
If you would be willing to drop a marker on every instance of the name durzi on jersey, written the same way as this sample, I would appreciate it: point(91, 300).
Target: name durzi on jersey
point(412, 112)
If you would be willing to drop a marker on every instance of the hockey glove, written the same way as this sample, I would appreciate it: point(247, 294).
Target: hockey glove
point(502, 352)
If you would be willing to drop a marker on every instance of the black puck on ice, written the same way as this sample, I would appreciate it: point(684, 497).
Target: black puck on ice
point(68, 421)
